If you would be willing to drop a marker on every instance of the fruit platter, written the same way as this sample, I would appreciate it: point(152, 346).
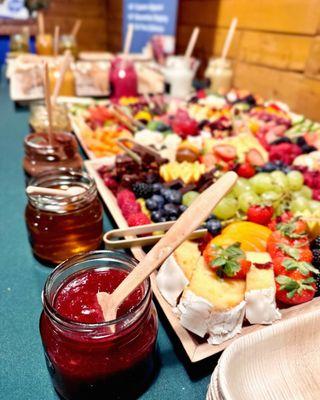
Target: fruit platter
point(258, 262)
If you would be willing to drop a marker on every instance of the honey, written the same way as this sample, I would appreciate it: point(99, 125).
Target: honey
point(60, 227)
point(41, 155)
point(44, 45)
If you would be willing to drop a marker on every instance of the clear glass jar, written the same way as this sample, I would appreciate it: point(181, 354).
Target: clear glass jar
point(39, 118)
point(60, 227)
point(68, 85)
point(41, 155)
point(220, 73)
point(85, 357)
point(123, 78)
point(19, 43)
point(178, 76)
point(68, 42)
point(44, 44)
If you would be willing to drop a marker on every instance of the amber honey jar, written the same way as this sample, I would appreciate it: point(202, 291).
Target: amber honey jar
point(42, 155)
point(60, 227)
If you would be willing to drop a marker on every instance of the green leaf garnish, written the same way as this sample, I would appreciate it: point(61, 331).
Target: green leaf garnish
point(227, 259)
point(303, 267)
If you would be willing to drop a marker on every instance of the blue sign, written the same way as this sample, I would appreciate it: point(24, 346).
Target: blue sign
point(150, 18)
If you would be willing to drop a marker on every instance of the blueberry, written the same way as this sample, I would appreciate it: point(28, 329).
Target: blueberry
point(158, 216)
point(162, 127)
point(151, 204)
point(158, 199)
point(268, 167)
point(214, 226)
point(173, 217)
point(171, 209)
point(182, 208)
point(157, 187)
point(172, 196)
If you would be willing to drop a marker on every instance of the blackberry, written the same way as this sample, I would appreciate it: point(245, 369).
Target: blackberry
point(315, 244)
point(301, 141)
point(317, 279)
point(141, 189)
point(316, 258)
point(281, 140)
point(307, 149)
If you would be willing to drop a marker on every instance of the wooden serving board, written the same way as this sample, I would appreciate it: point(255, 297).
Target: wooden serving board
point(196, 348)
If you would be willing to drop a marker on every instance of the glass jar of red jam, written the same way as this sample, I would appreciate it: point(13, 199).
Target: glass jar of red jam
point(89, 358)
point(123, 78)
point(60, 227)
point(41, 155)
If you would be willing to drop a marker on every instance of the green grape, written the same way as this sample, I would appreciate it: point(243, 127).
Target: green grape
point(295, 180)
point(189, 197)
point(299, 204)
point(271, 197)
point(241, 186)
point(280, 181)
point(306, 191)
point(314, 206)
point(226, 209)
point(246, 199)
point(261, 182)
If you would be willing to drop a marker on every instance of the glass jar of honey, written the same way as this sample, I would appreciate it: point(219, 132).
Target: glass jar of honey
point(58, 226)
point(44, 44)
point(38, 120)
point(68, 86)
point(220, 74)
point(68, 42)
point(88, 357)
point(41, 155)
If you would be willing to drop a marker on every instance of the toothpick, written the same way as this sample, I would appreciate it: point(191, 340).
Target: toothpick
point(40, 23)
point(229, 38)
point(65, 65)
point(128, 40)
point(56, 40)
point(192, 42)
point(76, 28)
point(48, 102)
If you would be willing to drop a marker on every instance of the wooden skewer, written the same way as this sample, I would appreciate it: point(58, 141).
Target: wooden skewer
point(128, 40)
point(192, 42)
point(41, 27)
point(185, 225)
point(130, 153)
point(122, 118)
point(76, 28)
point(43, 191)
point(47, 96)
point(56, 40)
point(229, 38)
point(145, 148)
point(65, 65)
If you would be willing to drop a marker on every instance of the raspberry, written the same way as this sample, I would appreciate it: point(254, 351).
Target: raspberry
point(285, 152)
point(130, 208)
point(125, 196)
point(138, 219)
point(111, 183)
point(316, 194)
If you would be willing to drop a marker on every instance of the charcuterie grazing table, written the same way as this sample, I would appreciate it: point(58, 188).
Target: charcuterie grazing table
point(23, 373)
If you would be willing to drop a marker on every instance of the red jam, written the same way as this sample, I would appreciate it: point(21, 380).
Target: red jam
point(96, 363)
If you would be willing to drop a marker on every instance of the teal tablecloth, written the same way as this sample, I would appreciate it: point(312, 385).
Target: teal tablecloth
point(23, 374)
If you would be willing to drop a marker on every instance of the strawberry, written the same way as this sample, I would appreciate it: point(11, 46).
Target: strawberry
point(225, 151)
point(204, 241)
point(295, 228)
point(295, 289)
point(254, 157)
point(245, 170)
point(294, 251)
point(229, 262)
point(209, 160)
point(285, 265)
point(273, 244)
point(260, 214)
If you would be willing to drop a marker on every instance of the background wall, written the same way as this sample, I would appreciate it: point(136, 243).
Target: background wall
point(276, 49)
